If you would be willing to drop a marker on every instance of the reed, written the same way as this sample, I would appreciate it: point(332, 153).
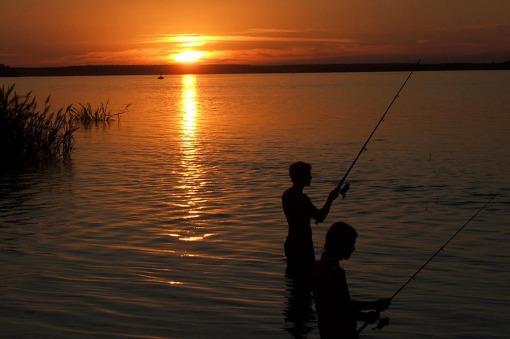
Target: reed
point(86, 114)
point(30, 133)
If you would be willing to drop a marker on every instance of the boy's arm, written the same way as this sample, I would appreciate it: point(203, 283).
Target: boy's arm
point(360, 305)
point(370, 317)
point(322, 213)
point(378, 305)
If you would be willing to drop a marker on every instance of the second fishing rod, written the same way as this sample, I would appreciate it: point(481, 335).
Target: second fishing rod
point(385, 321)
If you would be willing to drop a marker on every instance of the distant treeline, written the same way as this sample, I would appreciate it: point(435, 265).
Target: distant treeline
point(7, 71)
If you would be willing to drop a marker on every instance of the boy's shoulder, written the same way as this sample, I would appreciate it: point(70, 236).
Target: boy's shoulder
point(293, 193)
point(326, 267)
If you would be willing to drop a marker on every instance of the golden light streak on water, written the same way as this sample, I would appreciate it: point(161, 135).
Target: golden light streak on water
point(189, 110)
point(160, 281)
point(189, 106)
point(196, 238)
point(191, 171)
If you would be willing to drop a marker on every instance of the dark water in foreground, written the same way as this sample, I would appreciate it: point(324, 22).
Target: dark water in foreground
point(168, 223)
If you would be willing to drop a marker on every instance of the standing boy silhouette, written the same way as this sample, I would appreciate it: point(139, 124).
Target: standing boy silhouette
point(299, 209)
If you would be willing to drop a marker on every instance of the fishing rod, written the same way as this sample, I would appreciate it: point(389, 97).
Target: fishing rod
point(364, 147)
point(385, 321)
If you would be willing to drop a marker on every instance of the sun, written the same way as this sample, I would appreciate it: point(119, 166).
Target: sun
point(188, 56)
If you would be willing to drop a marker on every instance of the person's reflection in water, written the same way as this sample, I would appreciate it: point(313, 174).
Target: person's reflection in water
point(299, 313)
point(337, 313)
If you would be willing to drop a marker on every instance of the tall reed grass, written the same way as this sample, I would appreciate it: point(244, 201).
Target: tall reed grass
point(30, 133)
point(86, 114)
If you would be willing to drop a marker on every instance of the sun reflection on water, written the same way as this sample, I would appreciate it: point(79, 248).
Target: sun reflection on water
point(189, 111)
point(189, 162)
point(191, 169)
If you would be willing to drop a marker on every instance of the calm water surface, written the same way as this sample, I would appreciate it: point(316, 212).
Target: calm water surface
point(168, 224)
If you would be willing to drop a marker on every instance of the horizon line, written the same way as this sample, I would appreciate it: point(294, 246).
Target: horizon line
point(176, 69)
point(262, 64)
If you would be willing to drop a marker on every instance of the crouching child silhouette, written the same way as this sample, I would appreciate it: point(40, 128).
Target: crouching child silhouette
point(337, 312)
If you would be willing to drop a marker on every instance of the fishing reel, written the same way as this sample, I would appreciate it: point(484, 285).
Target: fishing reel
point(345, 188)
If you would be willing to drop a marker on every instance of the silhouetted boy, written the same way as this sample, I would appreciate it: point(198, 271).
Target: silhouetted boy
point(299, 210)
point(337, 312)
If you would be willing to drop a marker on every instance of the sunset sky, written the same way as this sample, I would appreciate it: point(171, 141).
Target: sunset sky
point(60, 32)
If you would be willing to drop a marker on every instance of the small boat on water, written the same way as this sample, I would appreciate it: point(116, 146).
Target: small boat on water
point(161, 77)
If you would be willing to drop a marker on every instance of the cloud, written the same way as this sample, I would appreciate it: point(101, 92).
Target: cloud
point(128, 56)
point(272, 30)
point(184, 39)
point(254, 46)
point(8, 55)
point(472, 28)
point(274, 45)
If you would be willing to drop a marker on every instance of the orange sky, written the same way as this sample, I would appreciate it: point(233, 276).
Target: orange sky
point(59, 32)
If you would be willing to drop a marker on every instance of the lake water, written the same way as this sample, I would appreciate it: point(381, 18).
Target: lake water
point(167, 223)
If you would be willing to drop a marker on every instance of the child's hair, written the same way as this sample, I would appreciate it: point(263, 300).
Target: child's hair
point(339, 236)
point(298, 170)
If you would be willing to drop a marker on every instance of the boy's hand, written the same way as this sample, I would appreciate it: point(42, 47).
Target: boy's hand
point(372, 317)
point(334, 193)
point(382, 304)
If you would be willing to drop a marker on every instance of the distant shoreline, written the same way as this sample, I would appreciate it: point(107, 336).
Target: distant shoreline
point(88, 70)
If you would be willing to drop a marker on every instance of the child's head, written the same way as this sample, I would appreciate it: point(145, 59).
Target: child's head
point(340, 241)
point(300, 173)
